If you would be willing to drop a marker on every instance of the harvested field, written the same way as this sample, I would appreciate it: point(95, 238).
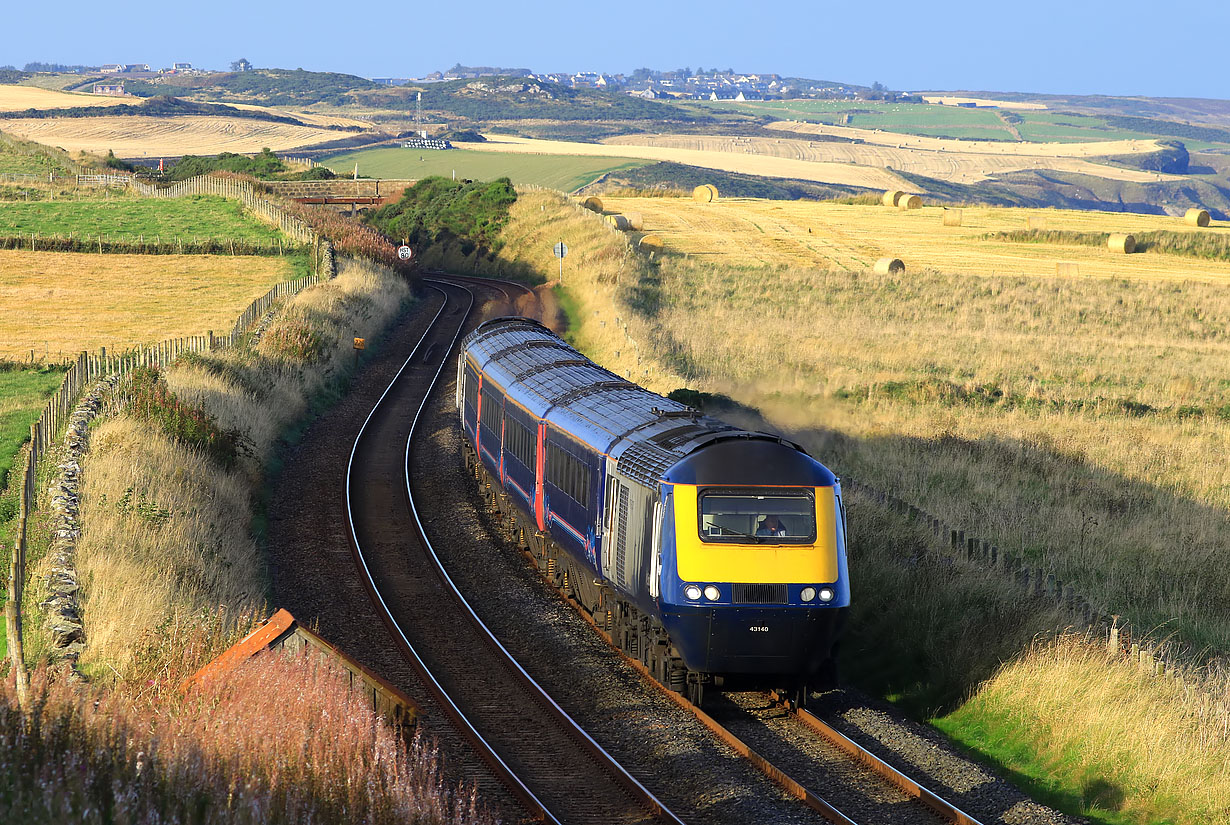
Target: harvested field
point(747, 164)
point(950, 100)
point(951, 163)
point(748, 232)
point(18, 98)
point(1092, 149)
point(136, 136)
point(61, 302)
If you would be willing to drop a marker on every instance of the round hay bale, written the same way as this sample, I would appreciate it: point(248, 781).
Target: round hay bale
point(704, 193)
point(952, 217)
point(593, 204)
point(891, 197)
point(1125, 244)
point(636, 221)
point(890, 266)
point(1196, 217)
point(909, 202)
point(650, 243)
point(618, 221)
point(713, 189)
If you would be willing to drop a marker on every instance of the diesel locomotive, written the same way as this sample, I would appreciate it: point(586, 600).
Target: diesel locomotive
point(711, 553)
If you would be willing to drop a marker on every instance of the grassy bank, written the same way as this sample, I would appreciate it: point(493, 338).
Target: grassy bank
point(1004, 404)
point(23, 394)
point(1192, 244)
point(166, 524)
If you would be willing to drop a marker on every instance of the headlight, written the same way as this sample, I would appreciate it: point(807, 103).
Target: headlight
point(712, 593)
point(826, 594)
point(691, 591)
point(807, 594)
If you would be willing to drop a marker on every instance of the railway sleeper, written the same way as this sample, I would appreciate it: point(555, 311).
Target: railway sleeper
point(639, 636)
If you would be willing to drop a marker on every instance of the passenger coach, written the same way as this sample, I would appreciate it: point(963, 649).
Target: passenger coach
point(708, 551)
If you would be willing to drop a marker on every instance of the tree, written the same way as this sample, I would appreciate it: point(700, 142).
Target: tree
point(241, 65)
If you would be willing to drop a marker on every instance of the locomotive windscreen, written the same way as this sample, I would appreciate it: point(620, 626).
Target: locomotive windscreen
point(758, 516)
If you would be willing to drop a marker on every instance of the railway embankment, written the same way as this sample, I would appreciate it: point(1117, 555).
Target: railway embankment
point(997, 641)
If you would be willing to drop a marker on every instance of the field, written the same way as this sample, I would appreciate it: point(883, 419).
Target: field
point(127, 219)
point(939, 121)
point(139, 136)
point(747, 232)
point(773, 167)
point(948, 160)
point(564, 173)
point(59, 303)
point(1077, 423)
point(19, 98)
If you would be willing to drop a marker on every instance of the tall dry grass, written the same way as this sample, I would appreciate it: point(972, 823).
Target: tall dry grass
point(1100, 733)
point(166, 530)
point(1080, 424)
point(279, 740)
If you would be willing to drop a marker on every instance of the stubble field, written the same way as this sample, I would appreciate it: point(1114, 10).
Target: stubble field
point(753, 232)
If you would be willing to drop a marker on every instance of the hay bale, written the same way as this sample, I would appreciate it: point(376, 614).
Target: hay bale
point(705, 193)
point(909, 202)
point(593, 204)
point(1125, 244)
point(952, 217)
point(891, 197)
point(619, 222)
point(1035, 223)
point(650, 243)
point(890, 266)
point(1067, 268)
point(1196, 217)
point(636, 221)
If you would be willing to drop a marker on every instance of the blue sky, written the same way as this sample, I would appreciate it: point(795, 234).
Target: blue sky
point(1078, 46)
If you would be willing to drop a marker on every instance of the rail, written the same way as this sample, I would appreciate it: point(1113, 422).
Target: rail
point(486, 750)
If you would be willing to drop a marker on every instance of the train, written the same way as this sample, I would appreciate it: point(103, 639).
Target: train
point(713, 554)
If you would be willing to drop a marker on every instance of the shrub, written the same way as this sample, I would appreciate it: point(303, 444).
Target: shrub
point(151, 400)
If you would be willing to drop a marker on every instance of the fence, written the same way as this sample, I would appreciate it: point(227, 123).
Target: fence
point(239, 190)
point(89, 367)
point(1155, 657)
point(146, 245)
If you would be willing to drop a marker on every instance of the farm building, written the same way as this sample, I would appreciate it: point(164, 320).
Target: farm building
point(114, 89)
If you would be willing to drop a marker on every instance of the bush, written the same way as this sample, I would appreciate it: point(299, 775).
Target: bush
point(151, 400)
point(437, 210)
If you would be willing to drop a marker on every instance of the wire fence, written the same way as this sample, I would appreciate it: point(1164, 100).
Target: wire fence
point(89, 367)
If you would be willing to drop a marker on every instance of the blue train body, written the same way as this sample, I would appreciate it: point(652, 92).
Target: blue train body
point(708, 550)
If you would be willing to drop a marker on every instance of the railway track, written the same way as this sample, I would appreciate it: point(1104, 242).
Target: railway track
point(793, 747)
point(558, 772)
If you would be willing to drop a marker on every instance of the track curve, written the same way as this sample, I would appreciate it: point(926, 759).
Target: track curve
point(557, 771)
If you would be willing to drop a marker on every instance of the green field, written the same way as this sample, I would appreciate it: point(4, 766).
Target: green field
point(202, 217)
point(941, 121)
point(552, 171)
point(23, 393)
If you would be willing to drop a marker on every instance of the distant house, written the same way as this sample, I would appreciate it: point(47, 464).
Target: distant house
point(112, 68)
point(113, 89)
point(181, 67)
point(136, 67)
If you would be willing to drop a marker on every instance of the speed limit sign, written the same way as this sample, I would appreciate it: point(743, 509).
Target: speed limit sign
point(405, 253)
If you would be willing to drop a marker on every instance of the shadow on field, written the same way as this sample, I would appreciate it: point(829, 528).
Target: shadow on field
point(926, 631)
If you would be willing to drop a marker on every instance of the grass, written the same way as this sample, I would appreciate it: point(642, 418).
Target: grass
point(554, 172)
point(198, 216)
point(1077, 423)
point(1098, 737)
point(167, 526)
point(59, 303)
point(23, 394)
point(280, 739)
point(22, 157)
point(1192, 244)
point(747, 232)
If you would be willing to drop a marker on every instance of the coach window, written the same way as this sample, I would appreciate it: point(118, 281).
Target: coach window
point(519, 440)
point(492, 412)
